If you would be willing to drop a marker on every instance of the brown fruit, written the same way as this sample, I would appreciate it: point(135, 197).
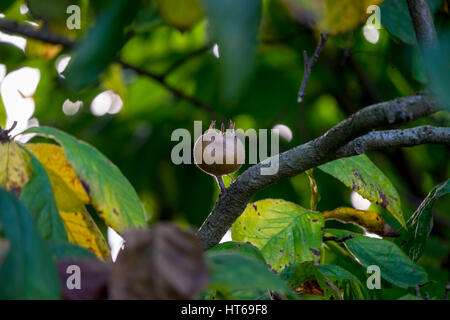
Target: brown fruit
point(219, 153)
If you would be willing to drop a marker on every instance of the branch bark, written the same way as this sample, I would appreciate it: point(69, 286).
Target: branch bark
point(378, 140)
point(233, 200)
point(423, 24)
point(29, 31)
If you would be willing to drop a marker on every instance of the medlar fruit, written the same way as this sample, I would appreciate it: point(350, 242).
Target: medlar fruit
point(219, 153)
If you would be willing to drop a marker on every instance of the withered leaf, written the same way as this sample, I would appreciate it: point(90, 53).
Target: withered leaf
point(94, 279)
point(163, 262)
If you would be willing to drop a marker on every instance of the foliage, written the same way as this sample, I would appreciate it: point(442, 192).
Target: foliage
point(169, 63)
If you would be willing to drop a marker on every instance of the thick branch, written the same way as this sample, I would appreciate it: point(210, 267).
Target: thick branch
point(309, 63)
point(46, 35)
point(423, 23)
point(378, 140)
point(232, 201)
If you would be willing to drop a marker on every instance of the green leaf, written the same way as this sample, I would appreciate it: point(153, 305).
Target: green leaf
point(351, 286)
point(438, 68)
point(409, 296)
point(362, 176)
point(111, 194)
point(231, 272)
point(396, 19)
point(11, 56)
point(284, 232)
point(395, 266)
point(421, 222)
point(244, 249)
point(334, 254)
point(298, 274)
point(5, 4)
point(37, 195)
point(28, 271)
point(99, 48)
point(235, 25)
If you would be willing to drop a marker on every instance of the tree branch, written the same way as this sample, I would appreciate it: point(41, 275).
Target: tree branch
point(309, 63)
point(233, 200)
point(176, 92)
point(378, 140)
point(29, 31)
point(48, 36)
point(423, 24)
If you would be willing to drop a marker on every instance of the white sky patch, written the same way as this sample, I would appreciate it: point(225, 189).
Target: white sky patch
point(284, 131)
point(24, 138)
point(372, 235)
point(215, 51)
point(23, 9)
point(371, 33)
point(61, 64)
point(116, 243)
point(226, 237)
point(17, 89)
point(358, 202)
point(17, 41)
point(106, 102)
point(70, 108)
point(32, 23)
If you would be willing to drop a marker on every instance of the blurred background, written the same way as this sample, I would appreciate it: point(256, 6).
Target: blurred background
point(171, 70)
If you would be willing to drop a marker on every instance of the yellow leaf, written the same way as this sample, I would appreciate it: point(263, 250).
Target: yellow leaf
point(70, 198)
point(80, 227)
point(53, 158)
point(181, 14)
point(369, 220)
point(14, 169)
point(42, 50)
point(330, 16)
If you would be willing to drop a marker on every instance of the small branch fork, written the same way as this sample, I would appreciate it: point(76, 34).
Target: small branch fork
point(309, 63)
point(4, 134)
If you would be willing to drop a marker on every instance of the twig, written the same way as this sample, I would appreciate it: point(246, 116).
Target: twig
point(187, 57)
point(4, 134)
point(48, 36)
point(178, 93)
point(423, 24)
point(337, 239)
point(309, 63)
point(220, 183)
point(447, 291)
point(45, 35)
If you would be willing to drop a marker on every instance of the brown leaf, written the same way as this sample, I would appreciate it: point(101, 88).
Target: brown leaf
point(163, 262)
point(94, 279)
